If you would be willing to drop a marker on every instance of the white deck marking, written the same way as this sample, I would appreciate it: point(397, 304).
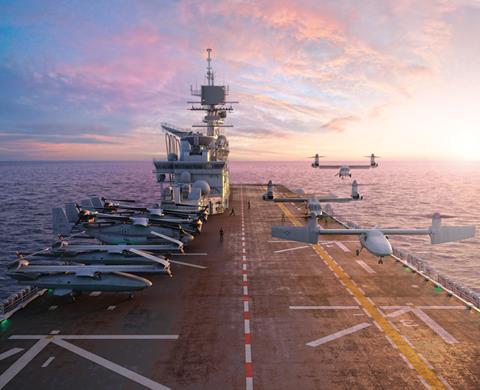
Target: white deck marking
point(415, 285)
point(398, 312)
point(109, 365)
point(56, 331)
point(323, 307)
point(245, 277)
point(365, 266)
point(342, 246)
point(447, 385)
point(244, 267)
point(21, 362)
point(244, 258)
point(245, 290)
point(98, 337)
point(425, 361)
point(442, 307)
point(248, 353)
point(427, 386)
point(10, 352)
point(95, 293)
point(245, 306)
point(292, 249)
point(447, 337)
point(391, 342)
point(48, 361)
point(53, 307)
point(406, 361)
point(337, 335)
point(111, 307)
point(281, 241)
point(249, 383)
point(378, 326)
point(246, 324)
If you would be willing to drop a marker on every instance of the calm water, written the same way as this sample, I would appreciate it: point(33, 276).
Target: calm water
point(396, 195)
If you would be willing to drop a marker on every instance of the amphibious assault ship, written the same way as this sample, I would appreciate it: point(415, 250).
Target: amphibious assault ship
point(264, 314)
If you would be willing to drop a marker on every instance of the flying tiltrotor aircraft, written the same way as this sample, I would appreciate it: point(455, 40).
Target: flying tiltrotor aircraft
point(344, 170)
point(375, 240)
point(314, 208)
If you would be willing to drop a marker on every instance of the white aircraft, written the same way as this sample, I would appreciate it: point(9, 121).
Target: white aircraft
point(344, 170)
point(313, 203)
point(375, 240)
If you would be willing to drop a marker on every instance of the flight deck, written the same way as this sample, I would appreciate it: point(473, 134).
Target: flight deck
point(265, 314)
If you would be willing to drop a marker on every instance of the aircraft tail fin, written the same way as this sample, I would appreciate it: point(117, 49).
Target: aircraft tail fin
point(72, 212)
point(61, 225)
point(440, 234)
point(306, 233)
point(97, 202)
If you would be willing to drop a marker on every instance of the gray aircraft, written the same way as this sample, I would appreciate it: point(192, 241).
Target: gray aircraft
point(313, 203)
point(189, 221)
point(69, 279)
point(375, 240)
point(116, 229)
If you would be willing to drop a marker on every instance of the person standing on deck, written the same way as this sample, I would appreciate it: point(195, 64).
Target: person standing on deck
point(221, 235)
point(232, 212)
point(248, 205)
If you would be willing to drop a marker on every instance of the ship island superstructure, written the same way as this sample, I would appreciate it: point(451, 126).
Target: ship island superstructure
point(196, 169)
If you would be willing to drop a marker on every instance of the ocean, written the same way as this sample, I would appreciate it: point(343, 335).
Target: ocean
point(396, 194)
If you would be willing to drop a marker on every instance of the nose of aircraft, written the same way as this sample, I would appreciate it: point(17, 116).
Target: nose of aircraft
point(186, 238)
point(377, 243)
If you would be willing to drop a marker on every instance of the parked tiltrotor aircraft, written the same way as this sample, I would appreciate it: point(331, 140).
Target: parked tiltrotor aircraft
point(344, 169)
point(313, 203)
point(375, 240)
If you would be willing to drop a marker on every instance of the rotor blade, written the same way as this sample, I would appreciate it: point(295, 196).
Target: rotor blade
point(19, 255)
point(177, 242)
point(187, 264)
point(121, 200)
point(149, 256)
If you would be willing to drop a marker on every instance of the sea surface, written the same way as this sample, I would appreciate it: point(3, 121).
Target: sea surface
point(396, 194)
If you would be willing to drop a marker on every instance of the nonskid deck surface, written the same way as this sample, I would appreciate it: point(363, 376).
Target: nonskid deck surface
point(265, 314)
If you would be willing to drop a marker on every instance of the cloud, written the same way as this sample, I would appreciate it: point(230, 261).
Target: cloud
point(340, 124)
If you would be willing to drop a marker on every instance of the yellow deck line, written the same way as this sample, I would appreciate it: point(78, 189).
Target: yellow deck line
point(418, 364)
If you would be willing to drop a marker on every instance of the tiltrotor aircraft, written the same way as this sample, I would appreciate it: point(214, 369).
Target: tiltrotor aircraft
point(67, 279)
point(375, 240)
point(344, 170)
point(117, 229)
point(313, 203)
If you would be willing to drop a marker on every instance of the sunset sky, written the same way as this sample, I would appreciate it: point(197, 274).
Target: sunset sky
point(94, 79)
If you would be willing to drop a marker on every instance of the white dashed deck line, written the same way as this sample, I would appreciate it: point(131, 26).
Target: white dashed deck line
point(292, 249)
point(246, 325)
point(365, 266)
point(56, 331)
point(111, 307)
point(249, 383)
point(48, 361)
point(10, 352)
point(245, 277)
point(246, 307)
point(399, 312)
point(357, 301)
point(245, 290)
point(248, 353)
point(337, 335)
point(244, 267)
point(342, 246)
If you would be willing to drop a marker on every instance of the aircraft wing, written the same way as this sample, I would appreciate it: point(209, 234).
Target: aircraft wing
point(334, 199)
point(359, 166)
point(330, 166)
point(288, 200)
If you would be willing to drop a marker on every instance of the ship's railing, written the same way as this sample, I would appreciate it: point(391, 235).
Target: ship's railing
point(468, 296)
point(18, 300)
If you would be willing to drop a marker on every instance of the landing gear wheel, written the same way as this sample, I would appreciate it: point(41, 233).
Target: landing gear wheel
point(380, 261)
point(357, 252)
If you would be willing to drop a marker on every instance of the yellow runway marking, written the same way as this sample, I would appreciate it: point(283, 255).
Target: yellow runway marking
point(374, 312)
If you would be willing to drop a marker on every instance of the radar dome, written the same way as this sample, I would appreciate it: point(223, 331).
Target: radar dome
point(185, 177)
point(204, 187)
